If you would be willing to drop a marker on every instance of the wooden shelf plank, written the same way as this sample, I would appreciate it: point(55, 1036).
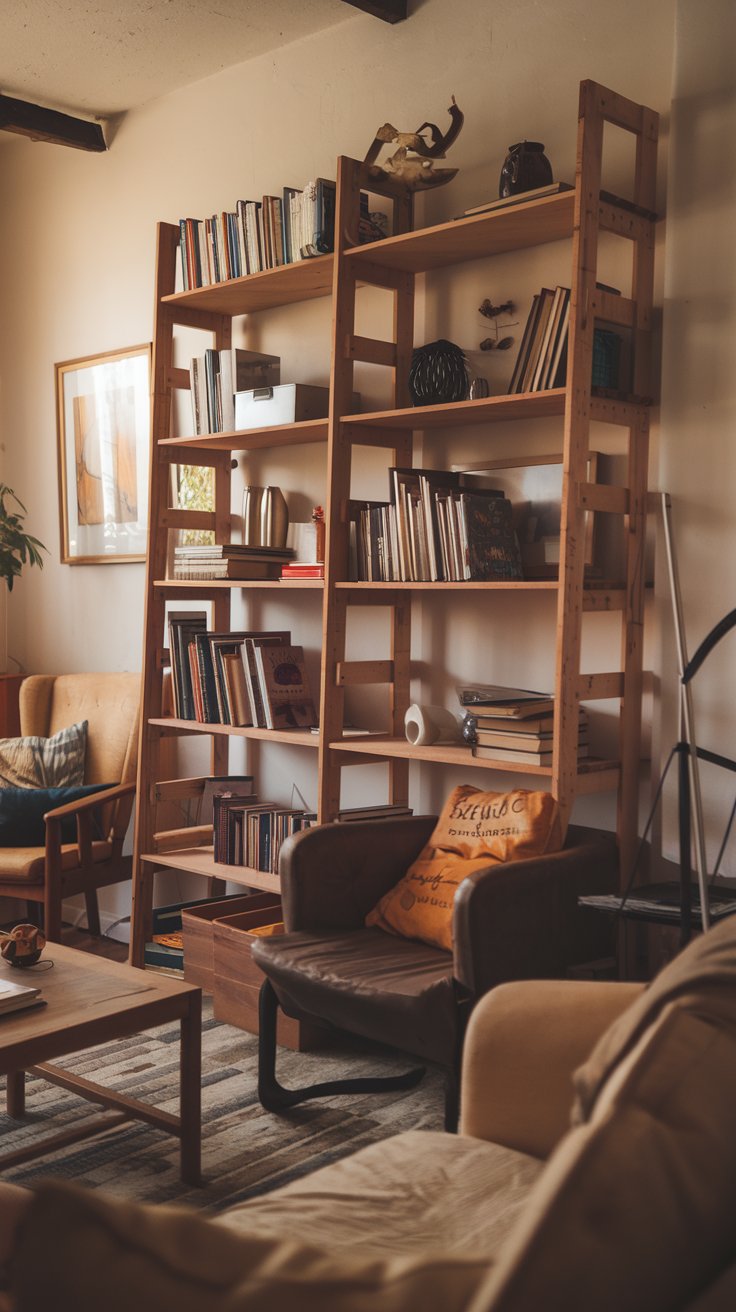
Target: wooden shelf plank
point(597, 596)
point(303, 281)
point(200, 861)
point(250, 439)
point(195, 586)
point(488, 409)
point(290, 737)
point(594, 774)
point(533, 223)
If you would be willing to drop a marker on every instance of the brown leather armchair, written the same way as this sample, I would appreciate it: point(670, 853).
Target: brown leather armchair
point(110, 704)
point(515, 921)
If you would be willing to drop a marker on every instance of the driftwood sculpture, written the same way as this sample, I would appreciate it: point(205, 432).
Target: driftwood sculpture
point(413, 161)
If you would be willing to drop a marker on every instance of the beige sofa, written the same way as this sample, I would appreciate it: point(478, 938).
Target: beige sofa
point(631, 1208)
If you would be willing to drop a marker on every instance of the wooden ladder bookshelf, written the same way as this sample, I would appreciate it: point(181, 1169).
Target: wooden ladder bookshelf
point(579, 215)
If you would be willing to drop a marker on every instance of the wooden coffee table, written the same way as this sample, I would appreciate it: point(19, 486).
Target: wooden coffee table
point(90, 1000)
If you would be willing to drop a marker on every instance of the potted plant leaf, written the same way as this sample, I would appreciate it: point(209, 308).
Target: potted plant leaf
point(17, 548)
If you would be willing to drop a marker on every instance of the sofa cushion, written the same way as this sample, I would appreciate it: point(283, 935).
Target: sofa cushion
point(635, 1208)
point(34, 762)
point(700, 980)
point(475, 830)
point(368, 983)
point(392, 1198)
point(100, 1252)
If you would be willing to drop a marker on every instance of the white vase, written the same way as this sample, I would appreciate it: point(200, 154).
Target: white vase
point(425, 725)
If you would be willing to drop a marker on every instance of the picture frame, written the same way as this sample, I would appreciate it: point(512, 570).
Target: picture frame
point(103, 411)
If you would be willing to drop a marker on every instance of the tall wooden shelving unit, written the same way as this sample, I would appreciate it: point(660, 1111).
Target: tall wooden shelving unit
point(393, 264)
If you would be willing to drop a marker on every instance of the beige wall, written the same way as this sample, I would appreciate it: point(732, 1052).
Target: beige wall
point(698, 420)
point(76, 258)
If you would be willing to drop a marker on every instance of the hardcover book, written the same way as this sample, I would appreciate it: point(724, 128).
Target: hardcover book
point(287, 700)
point(492, 552)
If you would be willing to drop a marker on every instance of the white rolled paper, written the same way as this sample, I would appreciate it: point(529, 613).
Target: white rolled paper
point(425, 725)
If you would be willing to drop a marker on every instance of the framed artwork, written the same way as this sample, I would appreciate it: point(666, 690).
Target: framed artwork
point(103, 407)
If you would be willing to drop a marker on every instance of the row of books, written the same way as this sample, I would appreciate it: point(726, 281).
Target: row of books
point(230, 560)
point(258, 234)
point(437, 527)
point(264, 234)
point(216, 376)
point(542, 359)
point(242, 679)
point(246, 834)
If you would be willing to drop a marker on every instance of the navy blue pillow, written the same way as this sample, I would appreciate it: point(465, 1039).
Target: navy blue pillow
point(22, 811)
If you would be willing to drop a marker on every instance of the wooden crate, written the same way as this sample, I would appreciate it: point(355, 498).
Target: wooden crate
point(197, 923)
point(238, 979)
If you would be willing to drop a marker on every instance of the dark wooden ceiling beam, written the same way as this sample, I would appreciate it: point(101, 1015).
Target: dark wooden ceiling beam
point(391, 11)
point(49, 125)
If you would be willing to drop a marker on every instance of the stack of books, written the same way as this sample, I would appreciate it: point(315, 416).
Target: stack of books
point(252, 835)
point(513, 724)
point(229, 560)
point(438, 526)
point(303, 569)
point(542, 359)
point(243, 679)
point(524, 739)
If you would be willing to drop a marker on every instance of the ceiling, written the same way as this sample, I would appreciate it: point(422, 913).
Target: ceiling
point(97, 58)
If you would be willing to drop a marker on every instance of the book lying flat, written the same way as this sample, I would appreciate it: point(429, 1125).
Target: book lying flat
point(542, 757)
point(521, 742)
point(14, 997)
point(551, 189)
point(499, 701)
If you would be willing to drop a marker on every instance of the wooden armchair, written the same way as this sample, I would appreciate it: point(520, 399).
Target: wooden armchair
point(110, 705)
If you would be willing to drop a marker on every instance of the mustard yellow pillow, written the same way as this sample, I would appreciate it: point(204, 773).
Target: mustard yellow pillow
point(475, 830)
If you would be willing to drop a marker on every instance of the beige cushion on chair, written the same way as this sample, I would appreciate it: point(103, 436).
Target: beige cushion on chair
point(26, 864)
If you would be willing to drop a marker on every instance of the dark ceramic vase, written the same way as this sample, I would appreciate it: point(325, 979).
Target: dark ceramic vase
point(526, 166)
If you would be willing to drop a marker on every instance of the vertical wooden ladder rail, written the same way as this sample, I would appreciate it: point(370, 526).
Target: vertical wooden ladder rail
point(163, 517)
point(597, 106)
point(346, 349)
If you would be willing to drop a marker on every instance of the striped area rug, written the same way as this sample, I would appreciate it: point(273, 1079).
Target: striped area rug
point(245, 1150)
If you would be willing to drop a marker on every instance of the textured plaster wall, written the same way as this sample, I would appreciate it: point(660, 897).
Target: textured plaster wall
point(698, 420)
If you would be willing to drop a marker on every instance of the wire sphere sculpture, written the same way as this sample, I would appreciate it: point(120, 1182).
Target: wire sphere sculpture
point(438, 374)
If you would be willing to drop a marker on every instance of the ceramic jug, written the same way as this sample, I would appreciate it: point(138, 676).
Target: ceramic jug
point(526, 166)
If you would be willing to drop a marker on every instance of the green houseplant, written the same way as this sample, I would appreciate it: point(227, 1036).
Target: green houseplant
point(17, 548)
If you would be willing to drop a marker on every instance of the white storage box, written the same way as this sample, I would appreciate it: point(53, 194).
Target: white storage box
point(285, 404)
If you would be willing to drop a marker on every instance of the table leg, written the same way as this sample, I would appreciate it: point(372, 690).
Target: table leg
point(190, 1087)
point(15, 1095)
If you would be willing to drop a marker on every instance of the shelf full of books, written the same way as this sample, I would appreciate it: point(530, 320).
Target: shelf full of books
point(265, 234)
point(438, 526)
point(238, 679)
